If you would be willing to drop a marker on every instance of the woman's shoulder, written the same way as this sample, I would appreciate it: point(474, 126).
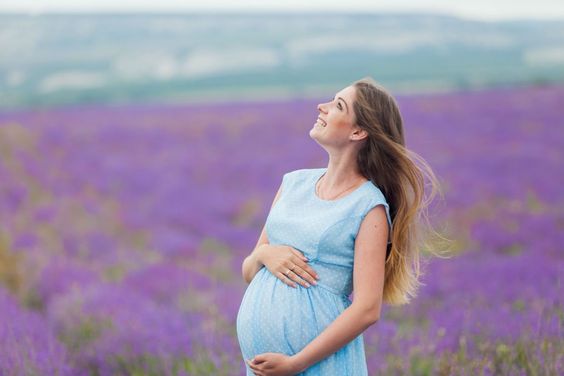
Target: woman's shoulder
point(376, 193)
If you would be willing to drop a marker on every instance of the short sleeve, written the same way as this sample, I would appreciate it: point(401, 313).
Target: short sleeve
point(286, 182)
point(387, 208)
point(284, 185)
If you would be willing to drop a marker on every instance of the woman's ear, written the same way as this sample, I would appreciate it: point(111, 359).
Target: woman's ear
point(359, 134)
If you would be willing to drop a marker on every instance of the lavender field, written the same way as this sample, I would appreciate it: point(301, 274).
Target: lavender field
point(123, 230)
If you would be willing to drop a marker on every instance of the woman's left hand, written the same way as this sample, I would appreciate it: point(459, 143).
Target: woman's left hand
point(273, 364)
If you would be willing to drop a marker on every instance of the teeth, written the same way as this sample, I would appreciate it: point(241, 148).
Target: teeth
point(321, 122)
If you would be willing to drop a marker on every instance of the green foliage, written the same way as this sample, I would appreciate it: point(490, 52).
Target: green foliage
point(154, 365)
point(500, 358)
point(421, 365)
point(85, 332)
point(203, 367)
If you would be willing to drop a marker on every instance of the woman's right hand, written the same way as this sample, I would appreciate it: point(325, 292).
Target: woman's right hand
point(279, 259)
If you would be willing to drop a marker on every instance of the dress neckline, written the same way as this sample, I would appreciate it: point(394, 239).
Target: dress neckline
point(318, 177)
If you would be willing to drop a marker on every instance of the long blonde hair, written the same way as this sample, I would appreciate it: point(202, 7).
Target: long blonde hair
point(400, 174)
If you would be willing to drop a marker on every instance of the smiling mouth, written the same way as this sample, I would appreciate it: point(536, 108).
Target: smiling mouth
point(321, 122)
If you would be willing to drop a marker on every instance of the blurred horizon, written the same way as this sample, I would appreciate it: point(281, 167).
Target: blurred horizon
point(53, 60)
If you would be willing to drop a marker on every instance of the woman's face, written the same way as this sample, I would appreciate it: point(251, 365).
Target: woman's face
point(336, 119)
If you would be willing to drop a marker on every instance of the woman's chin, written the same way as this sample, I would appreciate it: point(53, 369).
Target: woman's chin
point(315, 135)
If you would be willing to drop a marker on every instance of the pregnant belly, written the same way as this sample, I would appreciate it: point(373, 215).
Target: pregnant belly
point(275, 317)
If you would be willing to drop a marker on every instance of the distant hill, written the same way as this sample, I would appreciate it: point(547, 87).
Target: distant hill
point(51, 60)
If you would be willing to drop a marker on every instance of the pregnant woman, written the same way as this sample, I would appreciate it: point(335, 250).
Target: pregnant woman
point(353, 223)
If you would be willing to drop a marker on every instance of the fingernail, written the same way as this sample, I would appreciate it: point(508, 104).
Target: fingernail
point(315, 282)
point(307, 284)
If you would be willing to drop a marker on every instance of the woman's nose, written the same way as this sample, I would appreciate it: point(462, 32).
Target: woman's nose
point(320, 107)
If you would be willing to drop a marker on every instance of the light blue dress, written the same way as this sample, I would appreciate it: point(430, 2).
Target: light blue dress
point(275, 317)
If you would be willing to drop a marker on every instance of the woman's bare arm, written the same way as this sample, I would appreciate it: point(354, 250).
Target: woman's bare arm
point(252, 263)
point(369, 260)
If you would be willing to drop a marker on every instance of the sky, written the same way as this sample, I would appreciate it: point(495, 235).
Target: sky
point(476, 9)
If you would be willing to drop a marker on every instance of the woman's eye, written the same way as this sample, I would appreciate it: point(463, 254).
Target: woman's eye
point(339, 105)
